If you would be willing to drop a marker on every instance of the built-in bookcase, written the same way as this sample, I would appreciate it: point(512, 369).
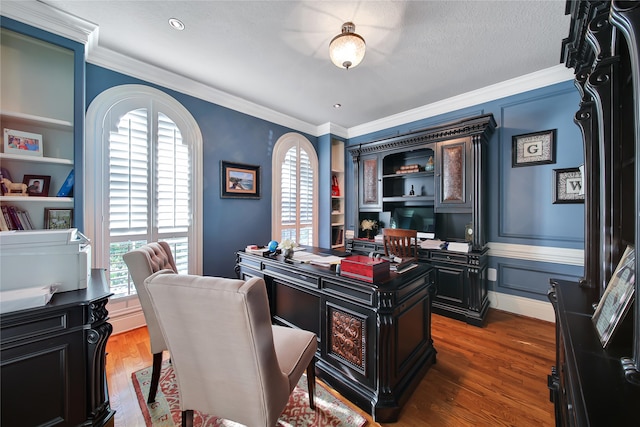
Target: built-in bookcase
point(337, 194)
point(37, 83)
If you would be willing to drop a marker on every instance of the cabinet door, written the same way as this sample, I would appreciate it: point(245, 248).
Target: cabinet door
point(370, 183)
point(453, 174)
point(450, 285)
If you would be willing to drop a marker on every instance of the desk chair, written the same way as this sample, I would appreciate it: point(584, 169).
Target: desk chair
point(229, 360)
point(142, 263)
point(400, 243)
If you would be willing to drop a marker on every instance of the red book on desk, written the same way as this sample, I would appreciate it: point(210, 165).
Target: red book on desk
point(364, 268)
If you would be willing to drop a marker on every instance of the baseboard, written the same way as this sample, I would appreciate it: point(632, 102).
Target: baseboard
point(126, 320)
point(523, 306)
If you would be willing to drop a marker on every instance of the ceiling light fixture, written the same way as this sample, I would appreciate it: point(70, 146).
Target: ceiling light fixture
point(347, 49)
point(176, 24)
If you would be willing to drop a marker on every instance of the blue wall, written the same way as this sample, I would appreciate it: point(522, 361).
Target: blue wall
point(228, 224)
point(521, 209)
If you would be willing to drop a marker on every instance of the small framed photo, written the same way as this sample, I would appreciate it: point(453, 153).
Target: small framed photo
point(617, 298)
point(57, 218)
point(239, 181)
point(37, 185)
point(568, 186)
point(534, 148)
point(22, 143)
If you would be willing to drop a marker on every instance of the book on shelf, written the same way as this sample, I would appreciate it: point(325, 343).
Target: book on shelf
point(15, 219)
point(67, 187)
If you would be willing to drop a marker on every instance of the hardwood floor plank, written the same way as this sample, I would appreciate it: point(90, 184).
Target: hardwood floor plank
point(490, 376)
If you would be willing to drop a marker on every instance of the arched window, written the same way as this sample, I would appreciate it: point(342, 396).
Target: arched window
point(143, 159)
point(295, 190)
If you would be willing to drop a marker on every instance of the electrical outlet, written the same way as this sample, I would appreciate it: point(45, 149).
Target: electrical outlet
point(492, 274)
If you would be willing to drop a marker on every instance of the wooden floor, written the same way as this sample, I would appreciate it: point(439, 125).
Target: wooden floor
point(490, 376)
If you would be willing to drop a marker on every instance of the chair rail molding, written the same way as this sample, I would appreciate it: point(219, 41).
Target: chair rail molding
point(537, 253)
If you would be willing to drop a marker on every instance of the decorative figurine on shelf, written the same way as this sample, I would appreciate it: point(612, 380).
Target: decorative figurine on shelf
point(412, 193)
point(287, 246)
point(429, 166)
point(335, 188)
point(368, 225)
point(15, 188)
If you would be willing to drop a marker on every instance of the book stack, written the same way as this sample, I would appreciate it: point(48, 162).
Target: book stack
point(13, 218)
point(409, 168)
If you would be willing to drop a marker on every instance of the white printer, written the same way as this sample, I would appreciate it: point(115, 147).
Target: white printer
point(42, 258)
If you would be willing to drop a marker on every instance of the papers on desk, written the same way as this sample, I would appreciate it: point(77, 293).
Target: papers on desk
point(403, 268)
point(431, 244)
point(315, 259)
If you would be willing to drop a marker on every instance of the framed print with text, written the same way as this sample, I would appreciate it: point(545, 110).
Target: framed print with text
point(534, 148)
point(568, 186)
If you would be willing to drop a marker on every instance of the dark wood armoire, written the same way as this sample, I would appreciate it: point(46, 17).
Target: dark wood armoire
point(592, 384)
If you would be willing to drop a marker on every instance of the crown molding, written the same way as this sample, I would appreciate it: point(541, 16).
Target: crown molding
point(53, 20)
point(536, 80)
point(333, 129)
point(132, 67)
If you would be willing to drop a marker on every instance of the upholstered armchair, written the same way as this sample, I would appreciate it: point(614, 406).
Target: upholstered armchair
point(229, 360)
point(142, 263)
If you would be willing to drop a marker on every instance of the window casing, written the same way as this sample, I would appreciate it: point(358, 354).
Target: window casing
point(295, 190)
point(144, 186)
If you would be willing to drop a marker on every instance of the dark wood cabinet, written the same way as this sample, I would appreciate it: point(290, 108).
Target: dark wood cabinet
point(442, 171)
point(374, 339)
point(460, 280)
point(53, 360)
point(591, 385)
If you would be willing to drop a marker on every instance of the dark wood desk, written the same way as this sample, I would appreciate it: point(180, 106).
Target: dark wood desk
point(374, 340)
point(52, 360)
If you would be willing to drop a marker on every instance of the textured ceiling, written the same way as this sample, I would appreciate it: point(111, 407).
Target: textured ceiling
point(275, 53)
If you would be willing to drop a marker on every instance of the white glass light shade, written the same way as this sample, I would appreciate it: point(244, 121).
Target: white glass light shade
point(346, 50)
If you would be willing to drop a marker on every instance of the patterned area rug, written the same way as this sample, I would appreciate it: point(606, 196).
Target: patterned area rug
point(165, 411)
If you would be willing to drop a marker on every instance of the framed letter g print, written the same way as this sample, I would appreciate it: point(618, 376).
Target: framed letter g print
point(534, 148)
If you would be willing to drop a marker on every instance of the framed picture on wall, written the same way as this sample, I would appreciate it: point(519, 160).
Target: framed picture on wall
point(239, 181)
point(568, 186)
point(617, 298)
point(534, 148)
point(58, 218)
point(22, 143)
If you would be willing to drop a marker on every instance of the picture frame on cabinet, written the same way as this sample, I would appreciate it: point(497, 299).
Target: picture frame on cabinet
point(535, 148)
point(22, 143)
point(58, 218)
point(37, 185)
point(616, 300)
point(238, 180)
point(568, 186)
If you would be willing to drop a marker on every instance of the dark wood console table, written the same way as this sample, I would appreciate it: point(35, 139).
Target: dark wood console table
point(587, 384)
point(374, 340)
point(52, 360)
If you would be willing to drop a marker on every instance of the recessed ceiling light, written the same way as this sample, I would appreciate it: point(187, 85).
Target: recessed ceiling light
point(176, 24)
point(337, 105)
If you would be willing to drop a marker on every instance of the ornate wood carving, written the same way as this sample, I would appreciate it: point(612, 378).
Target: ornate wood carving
point(453, 174)
point(370, 191)
point(347, 337)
